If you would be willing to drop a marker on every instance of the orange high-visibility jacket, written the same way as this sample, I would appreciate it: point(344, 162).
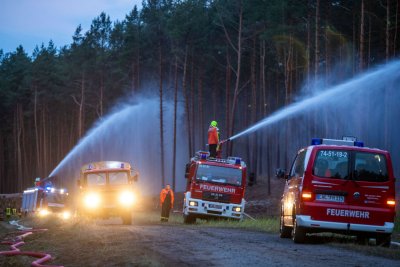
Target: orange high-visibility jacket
point(163, 195)
point(213, 138)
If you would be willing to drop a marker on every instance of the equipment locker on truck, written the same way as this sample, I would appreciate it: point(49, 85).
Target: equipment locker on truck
point(339, 186)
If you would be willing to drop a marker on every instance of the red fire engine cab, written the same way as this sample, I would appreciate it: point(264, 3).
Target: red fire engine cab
point(339, 186)
point(46, 200)
point(215, 188)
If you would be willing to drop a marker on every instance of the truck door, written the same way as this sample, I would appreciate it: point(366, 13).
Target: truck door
point(329, 184)
point(293, 185)
point(369, 189)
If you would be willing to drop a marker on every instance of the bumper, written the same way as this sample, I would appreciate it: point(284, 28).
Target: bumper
point(213, 209)
point(306, 221)
point(107, 211)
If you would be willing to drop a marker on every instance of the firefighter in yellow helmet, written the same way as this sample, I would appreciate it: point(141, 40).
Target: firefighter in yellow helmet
point(213, 139)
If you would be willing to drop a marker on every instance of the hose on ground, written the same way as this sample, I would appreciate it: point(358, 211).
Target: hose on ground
point(16, 242)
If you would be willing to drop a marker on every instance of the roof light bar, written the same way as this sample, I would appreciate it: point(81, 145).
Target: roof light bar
point(316, 141)
point(346, 141)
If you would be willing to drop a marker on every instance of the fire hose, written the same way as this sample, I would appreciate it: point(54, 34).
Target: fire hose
point(18, 241)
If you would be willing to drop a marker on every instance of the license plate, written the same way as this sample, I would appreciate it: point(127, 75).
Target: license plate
point(215, 206)
point(330, 198)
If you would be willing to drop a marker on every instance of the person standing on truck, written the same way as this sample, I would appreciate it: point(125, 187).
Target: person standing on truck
point(213, 139)
point(166, 202)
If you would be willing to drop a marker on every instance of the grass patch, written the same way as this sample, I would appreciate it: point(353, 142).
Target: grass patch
point(263, 224)
point(396, 230)
point(391, 253)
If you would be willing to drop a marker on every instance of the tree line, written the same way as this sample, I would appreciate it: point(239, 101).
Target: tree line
point(232, 61)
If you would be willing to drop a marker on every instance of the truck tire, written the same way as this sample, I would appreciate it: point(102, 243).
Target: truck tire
point(362, 239)
point(127, 219)
point(383, 240)
point(299, 234)
point(285, 231)
point(189, 219)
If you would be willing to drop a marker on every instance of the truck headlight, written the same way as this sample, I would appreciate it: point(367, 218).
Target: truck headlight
point(66, 215)
point(127, 198)
point(92, 200)
point(237, 209)
point(193, 203)
point(43, 212)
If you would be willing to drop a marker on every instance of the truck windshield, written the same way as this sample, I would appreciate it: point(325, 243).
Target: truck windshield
point(370, 167)
point(96, 178)
point(118, 177)
point(217, 174)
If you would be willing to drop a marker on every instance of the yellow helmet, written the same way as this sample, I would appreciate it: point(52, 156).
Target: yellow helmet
point(214, 124)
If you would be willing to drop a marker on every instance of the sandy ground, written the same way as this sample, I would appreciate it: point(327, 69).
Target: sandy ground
point(230, 247)
point(108, 243)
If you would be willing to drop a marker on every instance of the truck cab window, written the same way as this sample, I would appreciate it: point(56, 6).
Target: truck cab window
point(96, 179)
point(118, 178)
point(298, 165)
point(332, 164)
point(370, 167)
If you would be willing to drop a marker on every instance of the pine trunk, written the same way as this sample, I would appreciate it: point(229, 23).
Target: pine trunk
point(187, 110)
point(361, 64)
point(161, 116)
point(316, 39)
point(175, 118)
point(237, 82)
point(37, 138)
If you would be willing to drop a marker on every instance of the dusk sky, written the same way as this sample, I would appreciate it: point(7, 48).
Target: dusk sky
point(33, 22)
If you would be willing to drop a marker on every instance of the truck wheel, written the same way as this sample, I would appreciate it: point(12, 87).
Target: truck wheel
point(383, 240)
point(285, 232)
point(362, 239)
point(189, 219)
point(298, 233)
point(127, 219)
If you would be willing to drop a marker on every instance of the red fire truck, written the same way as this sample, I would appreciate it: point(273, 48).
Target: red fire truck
point(107, 190)
point(215, 188)
point(46, 200)
point(339, 186)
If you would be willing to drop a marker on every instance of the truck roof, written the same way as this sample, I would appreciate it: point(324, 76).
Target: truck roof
point(106, 165)
point(231, 162)
point(353, 148)
point(349, 143)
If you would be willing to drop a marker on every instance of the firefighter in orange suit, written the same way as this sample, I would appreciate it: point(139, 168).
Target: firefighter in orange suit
point(166, 202)
point(213, 139)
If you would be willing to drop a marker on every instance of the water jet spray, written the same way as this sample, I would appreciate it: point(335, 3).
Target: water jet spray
point(371, 80)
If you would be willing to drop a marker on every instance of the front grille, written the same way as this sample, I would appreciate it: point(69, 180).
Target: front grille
point(214, 212)
point(218, 197)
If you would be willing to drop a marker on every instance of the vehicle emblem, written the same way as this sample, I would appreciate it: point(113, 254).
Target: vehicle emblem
point(356, 195)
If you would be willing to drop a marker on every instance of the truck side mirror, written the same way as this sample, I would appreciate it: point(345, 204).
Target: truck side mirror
point(252, 179)
point(187, 170)
point(134, 176)
point(280, 173)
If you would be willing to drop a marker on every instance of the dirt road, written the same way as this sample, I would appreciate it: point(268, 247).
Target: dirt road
point(108, 243)
point(234, 247)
